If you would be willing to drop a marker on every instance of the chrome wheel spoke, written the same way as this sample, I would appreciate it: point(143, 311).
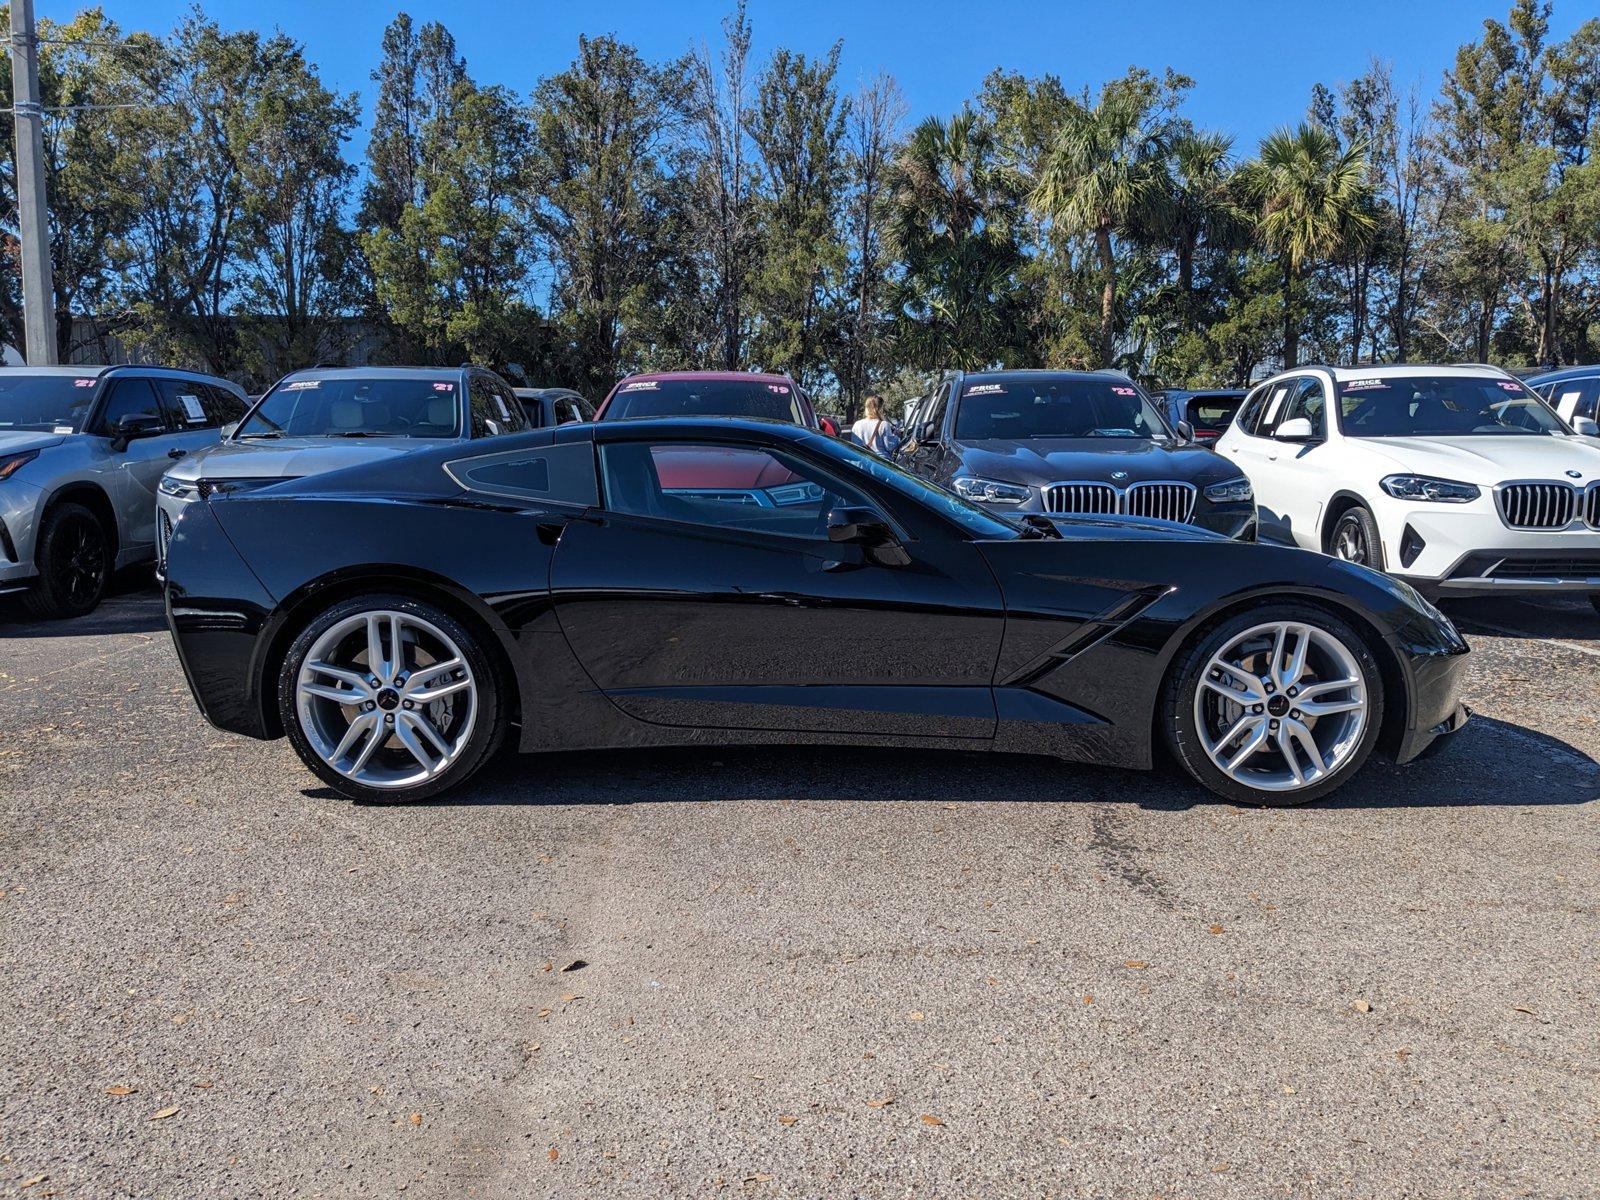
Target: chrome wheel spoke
point(429, 695)
point(337, 695)
point(375, 660)
point(1236, 685)
point(353, 678)
point(1289, 674)
point(419, 722)
point(359, 728)
point(1255, 737)
point(405, 732)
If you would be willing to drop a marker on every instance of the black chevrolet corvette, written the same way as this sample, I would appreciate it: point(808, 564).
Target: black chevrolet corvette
point(709, 581)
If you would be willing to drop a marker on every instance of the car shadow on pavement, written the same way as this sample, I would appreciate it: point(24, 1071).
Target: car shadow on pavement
point(1490, 763)
point(1570, 618)
point(133, 605)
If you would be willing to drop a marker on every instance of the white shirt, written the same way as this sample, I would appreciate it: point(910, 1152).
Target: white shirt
point(869, 433)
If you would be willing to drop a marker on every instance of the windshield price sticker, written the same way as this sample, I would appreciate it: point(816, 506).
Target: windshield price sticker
point(83, 383)
point(778, 389)
point(1356, 385)
point(640, 385)
point(192, 409)
point(1510, 387)
point(63, 429)
point(444, 387)
point(985, 389)
point(1124, 391)
point(303, 385)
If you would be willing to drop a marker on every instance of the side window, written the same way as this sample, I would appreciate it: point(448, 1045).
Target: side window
point(933, 419)
point(1575, 397)
point(185, 403)
point(1250, 410)
point(1272, 411)
point(1307, 401)
point(516, 416)
point(129, 397)
point(222, 406)
point(568, 410)
point(552, 474)
point(730, 487)
point(488, 416)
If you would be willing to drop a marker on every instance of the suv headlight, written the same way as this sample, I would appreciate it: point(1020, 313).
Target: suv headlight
point(1231, 491)
point(10, 464)
point(1425, 487)
point(990, 491)
point(177, 487)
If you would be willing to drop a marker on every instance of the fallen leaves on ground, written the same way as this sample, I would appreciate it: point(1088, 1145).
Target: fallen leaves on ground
point(1088, 999)
point(1135, 964)
point(554, 1154)
point(119, 1090)
point(930, 1119)
point(1218, 929)
point(576, 964)
point(786, 1120)
point(1361, 1006)
point(164, 1113)
point(881, 1102)
point(1403, 1053)
point(1523, 1008)
point(1221, 1167)
point(415, 1118)
point(916, 1016)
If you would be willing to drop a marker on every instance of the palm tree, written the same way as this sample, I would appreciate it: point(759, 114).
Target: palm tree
point(1101, 176)
point(951, 223)
point(1198, 206)
point(1311, 203)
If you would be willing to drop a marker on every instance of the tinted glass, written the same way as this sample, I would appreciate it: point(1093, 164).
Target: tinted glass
point(398, 406)
point(129, 397)
point(1031, 407)
point(1272, 411)
point(556, 474)
point(1213, 412)
point(1574, 397)
point(705, 398)
point(1307, 402)
point(185, 402)
point(492, 412)
point(222, 406)
point(732, 487)
point(43, 402)
point(1442, 406)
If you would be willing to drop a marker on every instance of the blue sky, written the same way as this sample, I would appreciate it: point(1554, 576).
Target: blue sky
point(1253, 62)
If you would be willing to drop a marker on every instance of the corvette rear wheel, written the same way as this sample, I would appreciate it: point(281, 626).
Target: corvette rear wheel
point(1277, 706)
point(390, 699)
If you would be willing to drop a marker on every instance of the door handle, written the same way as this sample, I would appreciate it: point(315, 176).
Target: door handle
point(176, 453)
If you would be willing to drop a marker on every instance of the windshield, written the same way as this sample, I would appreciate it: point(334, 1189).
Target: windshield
point(45, 403)
point(400, 406)
point(706, 398)
point(976, 521)
point(1020, 407)
point(1442, 406)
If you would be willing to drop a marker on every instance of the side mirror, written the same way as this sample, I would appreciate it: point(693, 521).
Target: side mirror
point(1587, 426)
point(132, 426)
point(1296, 429)
point(1186, 431)
point(829, 426)
point(865, 528)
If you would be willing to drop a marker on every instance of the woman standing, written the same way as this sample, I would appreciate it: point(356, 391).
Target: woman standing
point(872, 431)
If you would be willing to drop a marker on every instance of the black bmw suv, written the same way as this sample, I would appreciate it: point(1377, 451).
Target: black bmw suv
point(1073, 442)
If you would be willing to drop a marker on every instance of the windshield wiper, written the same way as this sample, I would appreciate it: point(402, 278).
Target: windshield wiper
point(270, 433)
point(361, 433)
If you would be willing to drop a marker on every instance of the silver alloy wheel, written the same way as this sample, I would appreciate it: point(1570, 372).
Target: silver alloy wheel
point(386, 699)
point(1349, 542)
point(1282, 706)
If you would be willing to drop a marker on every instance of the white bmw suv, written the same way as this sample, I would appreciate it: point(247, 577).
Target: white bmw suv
point(1458, 479)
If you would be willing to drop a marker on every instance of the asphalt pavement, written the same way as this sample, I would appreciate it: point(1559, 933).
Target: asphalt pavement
point(791, 973)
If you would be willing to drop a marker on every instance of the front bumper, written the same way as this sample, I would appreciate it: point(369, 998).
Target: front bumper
point(20, 505)
point(1436, 661)
point(1236, 521)
point(1466, 549)
point(168, 509)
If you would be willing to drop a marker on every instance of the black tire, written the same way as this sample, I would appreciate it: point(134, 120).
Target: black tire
point(73, 555)
point(1356, 527)
point(488, 730)
point(1184, 677)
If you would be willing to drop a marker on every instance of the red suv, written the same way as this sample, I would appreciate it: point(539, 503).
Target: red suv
point(724, 472)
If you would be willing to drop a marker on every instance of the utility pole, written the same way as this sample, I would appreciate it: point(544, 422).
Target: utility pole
point(33, 220)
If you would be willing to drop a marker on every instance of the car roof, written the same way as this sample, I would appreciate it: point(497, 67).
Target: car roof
point(95, 370)
point(715, 427)
point(703, 376)
point(1394, 370)
point(1019, 373)
point(1563, 373)
point(375, 372)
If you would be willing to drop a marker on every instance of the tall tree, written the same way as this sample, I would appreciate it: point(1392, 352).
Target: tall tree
point(598, 182)
point(797, 125)
point(721, 211)
point(1312, 202)
point(1102, 175)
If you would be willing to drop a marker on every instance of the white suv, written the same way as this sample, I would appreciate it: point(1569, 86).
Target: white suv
point(1459, 479)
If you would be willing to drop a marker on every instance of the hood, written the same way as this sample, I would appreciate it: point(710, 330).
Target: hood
point(290, 458)
point(1488, 459)
point(1040, 461)
point(13, 441)
point(1127, 529)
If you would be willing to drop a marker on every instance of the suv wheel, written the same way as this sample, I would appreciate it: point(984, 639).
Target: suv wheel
point(73, 555)
point(390, 699)
point(1275, 706)
point(1355, 539)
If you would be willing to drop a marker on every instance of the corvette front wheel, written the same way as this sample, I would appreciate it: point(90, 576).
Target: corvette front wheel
point(1276, 706)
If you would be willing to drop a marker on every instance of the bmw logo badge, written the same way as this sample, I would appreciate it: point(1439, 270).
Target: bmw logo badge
point(1119, 474)
point(1574, 474)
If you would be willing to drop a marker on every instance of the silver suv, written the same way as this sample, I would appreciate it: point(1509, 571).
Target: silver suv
point(81, 452)
point(327, 418)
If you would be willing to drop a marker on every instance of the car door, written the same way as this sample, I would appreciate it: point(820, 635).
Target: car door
point(131, 473)
point(1304, 467)
point(924, 454)
point(1249, 443)
point(194, 420)
point(705, 593)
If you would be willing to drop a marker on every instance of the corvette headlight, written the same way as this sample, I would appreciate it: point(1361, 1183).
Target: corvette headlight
point(990, 491)
point(177, 487)
point(1425, 487)
point(1231, 491)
